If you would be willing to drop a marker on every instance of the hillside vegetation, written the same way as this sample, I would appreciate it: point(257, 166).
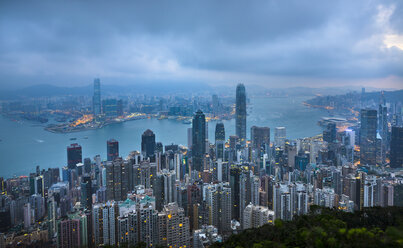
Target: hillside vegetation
point(371, 227)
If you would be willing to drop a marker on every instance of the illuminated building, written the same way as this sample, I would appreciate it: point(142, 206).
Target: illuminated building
point(74, 155)
point(112, 149)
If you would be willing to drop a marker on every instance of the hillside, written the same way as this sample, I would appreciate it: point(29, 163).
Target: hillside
point(372, 227)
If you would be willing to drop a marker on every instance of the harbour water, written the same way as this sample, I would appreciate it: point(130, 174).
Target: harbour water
point(24, 144)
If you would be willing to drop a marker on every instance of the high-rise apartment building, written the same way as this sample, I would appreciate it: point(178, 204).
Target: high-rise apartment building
point(173, 227)
point(256, 216)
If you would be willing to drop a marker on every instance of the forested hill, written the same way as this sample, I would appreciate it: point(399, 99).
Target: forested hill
point(372, 227)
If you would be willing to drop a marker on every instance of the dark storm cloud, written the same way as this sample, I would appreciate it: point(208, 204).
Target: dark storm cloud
point(210, 41)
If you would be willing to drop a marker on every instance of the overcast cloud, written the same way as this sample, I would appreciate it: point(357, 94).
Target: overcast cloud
point(271, 43)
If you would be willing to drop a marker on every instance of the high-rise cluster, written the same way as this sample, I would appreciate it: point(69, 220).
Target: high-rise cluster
point(178, 196)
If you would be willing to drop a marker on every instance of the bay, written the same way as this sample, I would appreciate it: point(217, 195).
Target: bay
point(26, 144)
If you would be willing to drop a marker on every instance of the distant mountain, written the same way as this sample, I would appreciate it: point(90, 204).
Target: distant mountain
point(46, 90)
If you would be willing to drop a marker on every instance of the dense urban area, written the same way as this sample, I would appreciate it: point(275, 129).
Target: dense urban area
point(205, 193)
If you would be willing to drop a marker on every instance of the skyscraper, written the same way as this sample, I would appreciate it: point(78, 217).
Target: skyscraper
point(110, 108)
point(198, 140)
point(240, 113)
point(74, 155)
point(329, 134)
point(259, 136)
point(96, 99)
point(112, 149)
point(368, 137)
point(148, 144)
point(86, 192)
point(219, 140)
point(279, 136)
point(396, 148)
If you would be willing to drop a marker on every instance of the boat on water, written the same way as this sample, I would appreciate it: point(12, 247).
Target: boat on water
point(187, 121)
point(85, 137)
point(73, 138)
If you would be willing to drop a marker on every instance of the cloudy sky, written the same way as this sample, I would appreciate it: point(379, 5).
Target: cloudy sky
point(270, 43)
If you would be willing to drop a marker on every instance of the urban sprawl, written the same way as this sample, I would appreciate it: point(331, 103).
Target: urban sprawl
point(177, 196)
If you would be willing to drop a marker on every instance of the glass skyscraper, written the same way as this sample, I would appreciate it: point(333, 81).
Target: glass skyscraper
point(396, 148)
point(240, 113)
point(198, 140)
point(112, 149)
point(148, 144)
point(219, 140)
point(368, 136)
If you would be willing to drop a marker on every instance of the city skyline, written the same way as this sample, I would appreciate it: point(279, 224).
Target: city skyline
point(198, 124)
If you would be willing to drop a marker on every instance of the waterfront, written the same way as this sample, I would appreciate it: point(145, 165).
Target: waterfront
point(26, 144)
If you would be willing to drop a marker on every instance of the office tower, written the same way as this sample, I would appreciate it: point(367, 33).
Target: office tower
point(173, 227)
point(96, 99)
point(86, 192)
point(329, 134)
point(148, 144)
point(351, 135)
point(279, 136)
point(256, 216)
point(396, 147)
point(112, 149)
point(218, 199)
point(110, 108)
point(259, 136)
point(368, 137)
point(240, 113)
point(36, 184)
point(220, 140)
point(87, 165)
point(70, 233)
point(198, 141)
point(74, 155)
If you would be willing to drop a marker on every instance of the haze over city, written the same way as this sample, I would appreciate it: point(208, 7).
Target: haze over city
point(268, 43)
